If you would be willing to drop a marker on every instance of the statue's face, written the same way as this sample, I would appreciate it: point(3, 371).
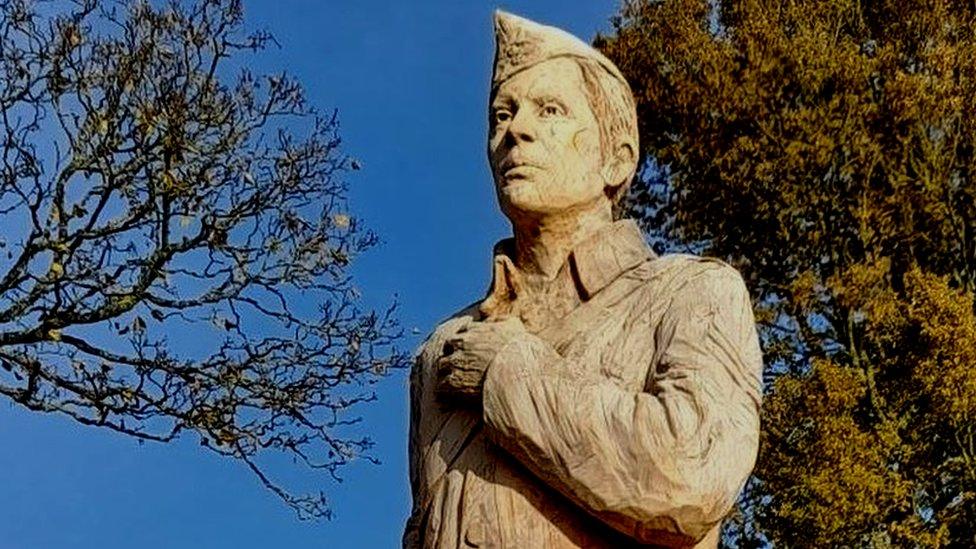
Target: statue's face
point(544, 142)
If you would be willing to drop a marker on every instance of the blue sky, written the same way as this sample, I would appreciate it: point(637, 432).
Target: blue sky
point(410, 80)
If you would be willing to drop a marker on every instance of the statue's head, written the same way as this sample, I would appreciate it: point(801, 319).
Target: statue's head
point(562, 122)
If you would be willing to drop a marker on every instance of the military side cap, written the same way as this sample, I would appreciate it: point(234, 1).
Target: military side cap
point(521, 43)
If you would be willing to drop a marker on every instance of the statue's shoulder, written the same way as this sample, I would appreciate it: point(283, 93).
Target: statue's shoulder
point(694, 276)
point(690, 264)
point(430, 349)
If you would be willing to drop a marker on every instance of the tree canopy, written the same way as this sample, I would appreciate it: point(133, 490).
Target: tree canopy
point(826, 149)
point(175, 241)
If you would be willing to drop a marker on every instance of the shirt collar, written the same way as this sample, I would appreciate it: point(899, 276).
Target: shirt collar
point(602, 257)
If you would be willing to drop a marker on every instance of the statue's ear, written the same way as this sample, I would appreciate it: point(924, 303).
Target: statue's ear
point(620, 166)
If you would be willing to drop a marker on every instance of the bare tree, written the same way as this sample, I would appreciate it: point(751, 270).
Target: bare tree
point(174, 241)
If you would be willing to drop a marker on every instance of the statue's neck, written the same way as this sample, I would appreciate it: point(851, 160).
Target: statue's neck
point(543, 243)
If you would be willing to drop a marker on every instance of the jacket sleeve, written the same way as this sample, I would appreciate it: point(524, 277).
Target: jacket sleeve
point(663, 465)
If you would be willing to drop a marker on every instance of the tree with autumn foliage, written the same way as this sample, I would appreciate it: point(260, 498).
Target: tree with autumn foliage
point(174, 238)
point(826, 149)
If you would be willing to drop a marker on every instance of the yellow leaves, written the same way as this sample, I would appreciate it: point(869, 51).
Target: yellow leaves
point(946, 354)
point(843, 465)
point(912, 532)
point(226, 437)
point(54, 335)
point(341, 220)
point(903, 93)
point(123, 303)
point(928, 332)
point(804, 289)
point(145, 119)
point(831, 388)
point(56, 270)
point(865, 290)
point(71, 35)
point(171, 184)
point(835, 469)
point(832, 139)
point(860, 284)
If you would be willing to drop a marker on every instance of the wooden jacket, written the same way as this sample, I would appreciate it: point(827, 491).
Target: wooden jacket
point(627, 415)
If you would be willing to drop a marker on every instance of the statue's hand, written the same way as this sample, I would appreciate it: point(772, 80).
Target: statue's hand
point(461, 370)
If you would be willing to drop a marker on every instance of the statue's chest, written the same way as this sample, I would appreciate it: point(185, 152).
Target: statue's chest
point(611, 335)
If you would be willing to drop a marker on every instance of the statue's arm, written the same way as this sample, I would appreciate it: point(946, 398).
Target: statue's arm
point(664, 465)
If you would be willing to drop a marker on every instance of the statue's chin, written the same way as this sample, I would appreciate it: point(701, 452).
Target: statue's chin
point(520, 199)
point(534, 198)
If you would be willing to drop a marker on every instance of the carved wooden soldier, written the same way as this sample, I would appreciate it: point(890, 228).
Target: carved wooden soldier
point(600, 396)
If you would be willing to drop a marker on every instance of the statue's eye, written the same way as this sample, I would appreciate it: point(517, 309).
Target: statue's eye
point(502, 116)
point(551, 109)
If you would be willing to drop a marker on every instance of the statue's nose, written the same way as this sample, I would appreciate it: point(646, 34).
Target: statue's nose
point(522, 128)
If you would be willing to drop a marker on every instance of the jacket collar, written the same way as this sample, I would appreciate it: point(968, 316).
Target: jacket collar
point(599, 259)
point(604, 256)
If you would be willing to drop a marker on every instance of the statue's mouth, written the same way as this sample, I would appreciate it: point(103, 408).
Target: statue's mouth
point(516, 167)
point(518, 171)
